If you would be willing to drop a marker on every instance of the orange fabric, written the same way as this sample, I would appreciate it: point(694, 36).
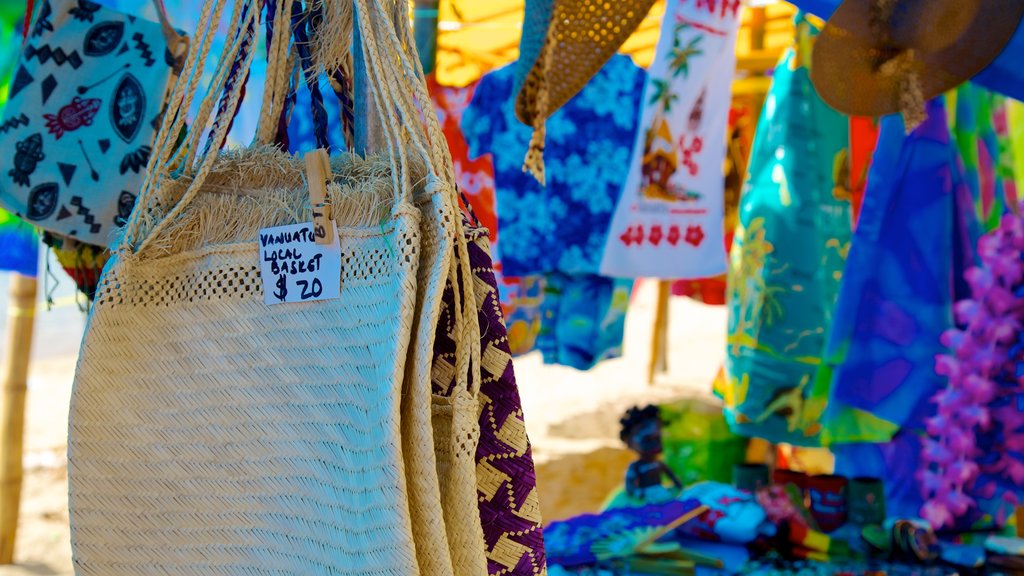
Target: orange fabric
point(475, 178)
point(863, 138)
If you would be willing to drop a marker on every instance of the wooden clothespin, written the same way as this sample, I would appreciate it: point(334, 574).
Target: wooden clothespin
point(318, 175)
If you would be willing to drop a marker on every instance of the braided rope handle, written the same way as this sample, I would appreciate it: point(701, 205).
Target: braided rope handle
point(146, 221)
point(469, 359)
point(393, 105)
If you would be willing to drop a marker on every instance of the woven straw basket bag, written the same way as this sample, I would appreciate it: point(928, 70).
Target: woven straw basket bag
point(213, 434)
point(447, 349)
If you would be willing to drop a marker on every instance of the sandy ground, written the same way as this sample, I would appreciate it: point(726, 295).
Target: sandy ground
point(572, 416)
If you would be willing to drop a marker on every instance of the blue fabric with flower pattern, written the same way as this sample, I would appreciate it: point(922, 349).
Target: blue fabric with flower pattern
point(561, 227)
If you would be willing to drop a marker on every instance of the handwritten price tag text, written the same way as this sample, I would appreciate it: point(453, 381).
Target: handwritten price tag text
point(297, 269)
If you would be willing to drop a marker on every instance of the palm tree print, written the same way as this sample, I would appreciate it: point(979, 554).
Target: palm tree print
point(680, 62)
point(663, 94)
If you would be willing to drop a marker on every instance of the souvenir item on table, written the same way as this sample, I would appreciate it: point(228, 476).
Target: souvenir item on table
point(904, 540)
point(669, 219)
point(928, 47)
point(85, 103)
point(732, 558)
point(698, 443)
point(505, 477)
point(1004, 546)
point(784, 477)
point(981, 131)
point(583, 319)
point(842, 567)
point(646, 477)
point(787, 257)
point(561, 226)
point(970, 556)
point(590, 538)
point(785, 505)
point(827, 497)
point(563, 46)
point(897, 462)
point(866, 501)
point(751, 477)
point(910, 246)
point(742, 120)
point(191, 286)
point(734, 516)
point(970, 453)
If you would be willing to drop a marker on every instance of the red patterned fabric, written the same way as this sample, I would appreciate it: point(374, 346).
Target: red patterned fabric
point(475, 178)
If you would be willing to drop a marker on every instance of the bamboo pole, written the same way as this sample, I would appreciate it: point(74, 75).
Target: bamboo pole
point(21, 313)
point(659, 339)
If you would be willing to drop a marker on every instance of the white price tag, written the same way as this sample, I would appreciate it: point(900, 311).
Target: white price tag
point(295, 268)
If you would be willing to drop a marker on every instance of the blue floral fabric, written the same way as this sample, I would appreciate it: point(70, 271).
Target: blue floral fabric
point(583, 319)
point(560, 227)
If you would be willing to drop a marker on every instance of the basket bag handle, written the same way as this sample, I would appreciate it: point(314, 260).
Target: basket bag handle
point(393, 106)
point(402, 47)
point(387, 36)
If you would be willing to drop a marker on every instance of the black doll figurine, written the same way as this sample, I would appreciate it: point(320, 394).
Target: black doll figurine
point(641, 431)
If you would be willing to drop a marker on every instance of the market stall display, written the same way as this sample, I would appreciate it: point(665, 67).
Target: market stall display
point(301, 351)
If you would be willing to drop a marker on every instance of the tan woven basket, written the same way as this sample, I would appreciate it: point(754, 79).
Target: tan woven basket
point(454, 419)
point(209, 430)
point(211, 433)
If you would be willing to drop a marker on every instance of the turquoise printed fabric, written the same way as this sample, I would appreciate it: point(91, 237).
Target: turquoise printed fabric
point(787, 258)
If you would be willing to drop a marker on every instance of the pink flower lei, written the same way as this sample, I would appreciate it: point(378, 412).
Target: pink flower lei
point(980, 399)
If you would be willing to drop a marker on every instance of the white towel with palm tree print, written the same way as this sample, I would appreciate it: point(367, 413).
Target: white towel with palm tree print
point(670, 217)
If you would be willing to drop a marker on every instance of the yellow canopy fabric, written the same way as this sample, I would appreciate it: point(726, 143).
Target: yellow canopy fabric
point(476, 36)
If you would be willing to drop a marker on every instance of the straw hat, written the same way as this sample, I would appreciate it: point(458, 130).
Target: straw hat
point(877, 57)
point(564, 43)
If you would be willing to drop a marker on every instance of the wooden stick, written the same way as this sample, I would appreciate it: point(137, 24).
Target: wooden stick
point(654, 537)
point(1020, 521)
point(12, 408)
point(659, 339)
